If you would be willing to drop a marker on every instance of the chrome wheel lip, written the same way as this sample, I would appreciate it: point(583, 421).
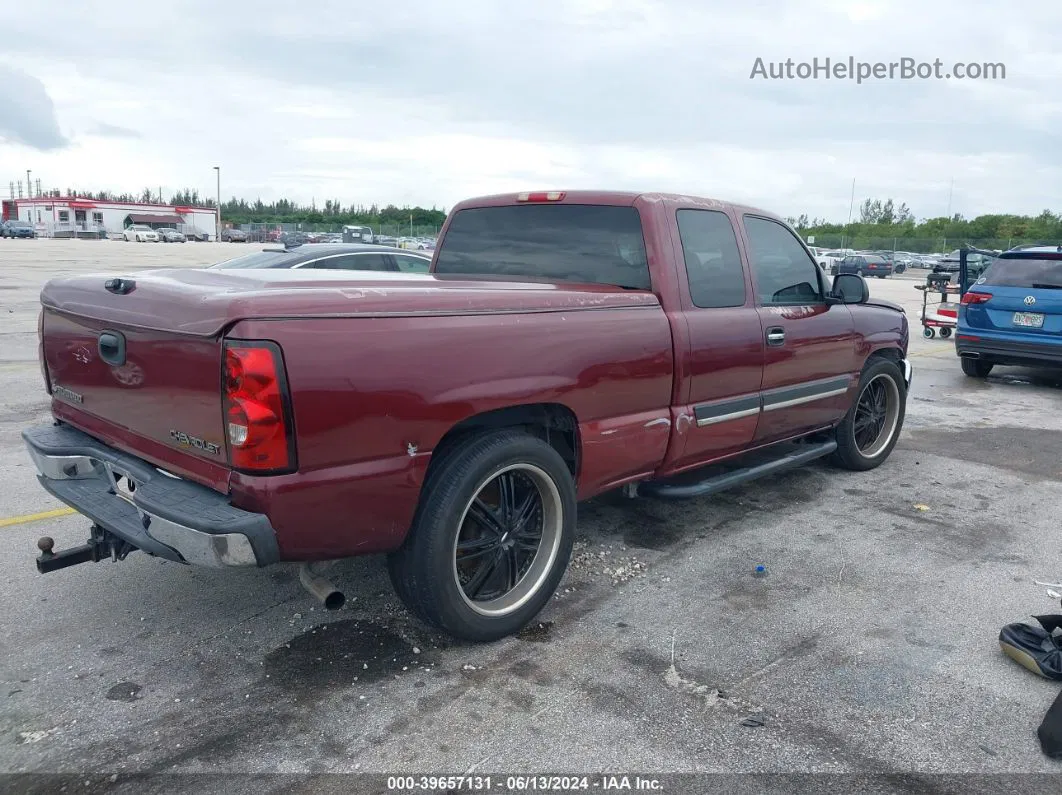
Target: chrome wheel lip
point(892, 416)
point(545, 556)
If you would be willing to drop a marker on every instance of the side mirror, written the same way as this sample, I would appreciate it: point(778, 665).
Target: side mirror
point(848, 288)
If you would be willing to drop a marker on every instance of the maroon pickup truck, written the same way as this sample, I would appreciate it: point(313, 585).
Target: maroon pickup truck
point(564, 344)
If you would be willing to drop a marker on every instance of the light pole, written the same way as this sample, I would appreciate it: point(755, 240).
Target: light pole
point(217, 231)
point(29, 191)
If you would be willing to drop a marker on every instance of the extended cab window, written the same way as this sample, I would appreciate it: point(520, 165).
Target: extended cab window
point(713, 264)
point(784, 272)
point(558, 242)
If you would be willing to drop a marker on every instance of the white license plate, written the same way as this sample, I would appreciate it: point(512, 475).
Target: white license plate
point(1029, 319)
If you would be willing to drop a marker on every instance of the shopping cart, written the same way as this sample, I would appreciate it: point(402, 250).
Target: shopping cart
point(939, 315)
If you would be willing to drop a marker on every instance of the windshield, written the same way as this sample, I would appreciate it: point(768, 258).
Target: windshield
point(1024, 272)
point(19, 224)
point(260, 259)
point(558, 242)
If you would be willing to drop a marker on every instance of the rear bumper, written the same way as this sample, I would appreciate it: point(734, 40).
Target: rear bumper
point(163, 516)
point(1022, 354)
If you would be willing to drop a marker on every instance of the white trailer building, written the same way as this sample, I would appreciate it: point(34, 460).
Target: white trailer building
point(77, 217)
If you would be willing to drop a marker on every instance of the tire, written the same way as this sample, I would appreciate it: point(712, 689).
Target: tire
point(976, 368)
point(929, 333)
point(859, 272)
point(858, 450)
point(881, 276)
point(945, 332)
point(425, 571)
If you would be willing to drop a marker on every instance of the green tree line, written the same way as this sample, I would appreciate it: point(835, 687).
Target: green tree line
point(282, 211)
point(886, 224)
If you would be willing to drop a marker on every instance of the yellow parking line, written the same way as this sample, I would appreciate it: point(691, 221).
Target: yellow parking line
point(36, 517)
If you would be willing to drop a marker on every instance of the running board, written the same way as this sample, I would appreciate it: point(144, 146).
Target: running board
point(736, 477)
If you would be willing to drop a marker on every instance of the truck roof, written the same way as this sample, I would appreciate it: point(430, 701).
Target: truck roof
point(615, 197)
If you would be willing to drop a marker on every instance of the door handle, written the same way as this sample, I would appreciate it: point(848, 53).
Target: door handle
point(776, 335)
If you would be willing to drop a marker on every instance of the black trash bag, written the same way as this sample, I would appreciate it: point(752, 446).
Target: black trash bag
point(1050, 731)
point(1038, 648)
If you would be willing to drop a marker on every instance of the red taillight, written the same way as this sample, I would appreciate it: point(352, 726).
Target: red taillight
point(257, 411)
point(541, 196)
point(975, 298)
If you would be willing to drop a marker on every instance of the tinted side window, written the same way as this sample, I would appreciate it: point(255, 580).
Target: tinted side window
point(408, 264)
point(783, 271)
point(713, 264)
point(557, 242)
point(353, 262)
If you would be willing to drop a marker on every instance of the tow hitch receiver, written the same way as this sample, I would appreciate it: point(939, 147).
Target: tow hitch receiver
point(100, 545)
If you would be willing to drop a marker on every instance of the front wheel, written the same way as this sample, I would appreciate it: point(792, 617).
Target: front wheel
point(976, 368)
point(929, 333)
point(491, 538)
point(869, 430)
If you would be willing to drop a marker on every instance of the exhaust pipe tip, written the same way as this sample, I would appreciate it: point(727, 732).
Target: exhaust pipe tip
point(335, 600)
point(323, 589)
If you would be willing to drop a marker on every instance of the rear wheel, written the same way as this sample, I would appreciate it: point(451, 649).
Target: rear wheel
point(945, 332)
point(869, 430)
point(491, 539)
point(976, 368)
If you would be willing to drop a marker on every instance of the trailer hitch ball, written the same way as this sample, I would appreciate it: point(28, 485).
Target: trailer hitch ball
point(46, 544)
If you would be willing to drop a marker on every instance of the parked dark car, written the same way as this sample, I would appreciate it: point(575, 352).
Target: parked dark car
point(17, 229)
point(233, 236)
point(864, 265)
point(332, 256)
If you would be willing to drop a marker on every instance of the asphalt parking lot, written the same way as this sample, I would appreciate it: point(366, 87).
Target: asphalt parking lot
point(870, 647)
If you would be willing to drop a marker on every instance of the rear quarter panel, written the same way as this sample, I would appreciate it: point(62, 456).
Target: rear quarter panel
point(372, 397)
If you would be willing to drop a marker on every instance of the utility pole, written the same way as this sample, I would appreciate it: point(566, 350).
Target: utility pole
point(951, 191)
point(851, 207)
point(217, 237)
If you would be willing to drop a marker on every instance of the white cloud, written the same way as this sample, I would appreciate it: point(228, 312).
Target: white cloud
point(428, 103)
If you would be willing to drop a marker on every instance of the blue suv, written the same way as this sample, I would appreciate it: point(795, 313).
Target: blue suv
point(1012, 314)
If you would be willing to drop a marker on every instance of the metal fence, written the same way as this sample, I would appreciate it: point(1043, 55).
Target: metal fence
point(922, 245)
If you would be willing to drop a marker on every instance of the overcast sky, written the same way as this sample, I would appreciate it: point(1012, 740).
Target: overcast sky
point(424, 103)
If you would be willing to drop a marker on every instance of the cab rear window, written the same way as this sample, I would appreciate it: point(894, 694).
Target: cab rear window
point(558, 242)
point(1028, 272)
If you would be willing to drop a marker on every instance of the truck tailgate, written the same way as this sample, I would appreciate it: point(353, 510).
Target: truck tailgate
point(165, 389)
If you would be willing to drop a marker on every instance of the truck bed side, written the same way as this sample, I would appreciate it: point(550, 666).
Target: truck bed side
point(373, 397)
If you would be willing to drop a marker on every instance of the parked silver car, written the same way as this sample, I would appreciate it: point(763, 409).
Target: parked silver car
point(171, 236)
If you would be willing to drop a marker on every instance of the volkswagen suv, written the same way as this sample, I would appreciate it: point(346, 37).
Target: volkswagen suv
point(1012, 314)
